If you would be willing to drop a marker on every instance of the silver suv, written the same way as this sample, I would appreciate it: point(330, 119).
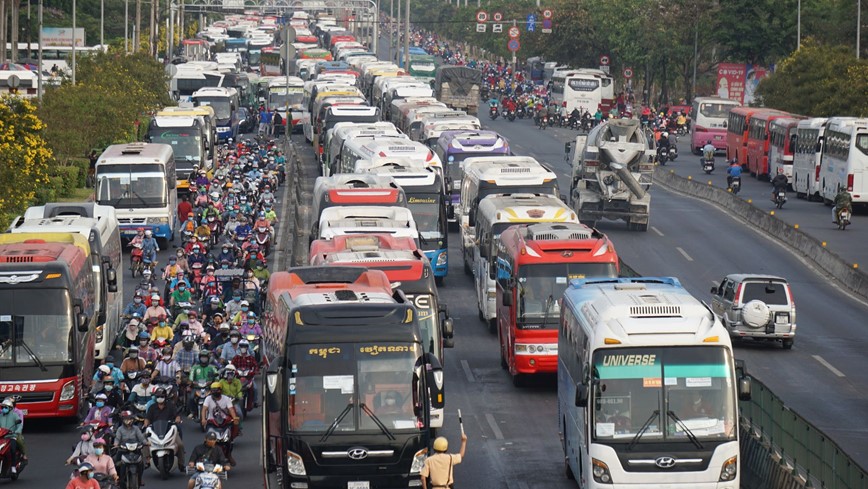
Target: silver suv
point(756, 306)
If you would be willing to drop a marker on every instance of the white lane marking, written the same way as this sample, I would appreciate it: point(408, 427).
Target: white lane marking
point(684, 253)
point(467, 372)
point(523, 485)
point(828, 365)
point(493, 424)
point(656, 231)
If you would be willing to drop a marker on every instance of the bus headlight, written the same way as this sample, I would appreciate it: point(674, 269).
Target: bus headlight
point(441, 259)
point(294, 464)
point(601, 472)
point(729, 469)
point(99, 333)
point(419, 461)
point(67, 392)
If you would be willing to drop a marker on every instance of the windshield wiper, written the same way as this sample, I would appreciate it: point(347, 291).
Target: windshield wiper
point(635, 440)
point(373, 416)
point(141, 199)
point(550, 301)
point(684, 427)
point(336, 422)
point(32, 355)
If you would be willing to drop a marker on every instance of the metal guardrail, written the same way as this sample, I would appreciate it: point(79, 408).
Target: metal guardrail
point(795, 445)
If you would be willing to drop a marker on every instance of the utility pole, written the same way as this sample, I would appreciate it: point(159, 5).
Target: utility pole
point(137, 28)
point(170, 33)
point(858, 27)
point(73, 41)
point(695, 59)
point(407, 37)
point(39, 62)
point(398, 23)
point(799, 25)
point(391, 29)
point(102, 23)
point(13, 35)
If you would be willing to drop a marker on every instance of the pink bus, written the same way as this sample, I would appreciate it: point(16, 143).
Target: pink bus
point(708, 122)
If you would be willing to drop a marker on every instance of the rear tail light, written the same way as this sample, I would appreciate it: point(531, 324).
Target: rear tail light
point(850, 182)
point(431, 156)
point(817, 174)
point(699, 129)
point(737, 295)
point(592, 163)
point(790, 297)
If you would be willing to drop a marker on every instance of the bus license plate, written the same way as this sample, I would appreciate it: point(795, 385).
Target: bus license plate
point(358, 485)
point(718, 138)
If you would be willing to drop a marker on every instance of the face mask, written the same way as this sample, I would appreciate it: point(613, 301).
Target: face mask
point(166, 358)
point(245, 308)
point(224, 266)
point(203, 361)
point(234, 340)
point(85, 436)
point(182, 288)
point(225, 250)
point(236, 299)
point(211, 273)
point(90, 475)
point(134, 356)
point(161, 400)
point(100, 404)
point(137, 300)
point(173, 261)
point(6, 410)
point(98, 451)
point(109, 387)
point(243, 350)
point(111, 365)
point(249, 274)
point(144, 343)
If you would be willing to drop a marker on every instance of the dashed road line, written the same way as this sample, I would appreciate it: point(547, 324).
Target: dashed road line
point(657, 231)
point(828, 365)
point(493, 424)
point(467, 372)
point(684, 253)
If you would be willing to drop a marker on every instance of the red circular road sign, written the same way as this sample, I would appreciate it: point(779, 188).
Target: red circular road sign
point(604, 60)
point(513, 45)
point(547, 13)
point(628, 73)
point(481, 16)
point(497, 16)
point(514, 32)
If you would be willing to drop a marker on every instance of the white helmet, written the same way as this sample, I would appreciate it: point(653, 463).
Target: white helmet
point(148, 232)
point(665, 134)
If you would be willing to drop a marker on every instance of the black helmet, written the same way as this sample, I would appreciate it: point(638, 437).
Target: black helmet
point(160, 392)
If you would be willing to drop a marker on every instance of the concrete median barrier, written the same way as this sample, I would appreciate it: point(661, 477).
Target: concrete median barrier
point(812, 249)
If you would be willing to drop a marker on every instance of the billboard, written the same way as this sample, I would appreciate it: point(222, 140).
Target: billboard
point(62, 37)
point(738, 81)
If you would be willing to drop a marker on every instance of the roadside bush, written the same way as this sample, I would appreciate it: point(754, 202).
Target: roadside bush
point(68, 179)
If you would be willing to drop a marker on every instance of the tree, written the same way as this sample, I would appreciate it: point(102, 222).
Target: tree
point(819, 81)
point(756, 31)
point(24, 156)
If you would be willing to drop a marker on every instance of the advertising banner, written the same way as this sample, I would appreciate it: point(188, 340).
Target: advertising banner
point(62, 37)
point(730, 81)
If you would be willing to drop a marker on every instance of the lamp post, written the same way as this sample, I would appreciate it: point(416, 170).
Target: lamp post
point(39, 61)
point(126, 26)
point(102, 23)
point(407, 37)
point(799, 25)
point(858, 27)
point(73, 42)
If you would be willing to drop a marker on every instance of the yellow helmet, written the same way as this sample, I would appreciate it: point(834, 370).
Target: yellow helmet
point(441, 444)
point(217, 385)
point(229, 185)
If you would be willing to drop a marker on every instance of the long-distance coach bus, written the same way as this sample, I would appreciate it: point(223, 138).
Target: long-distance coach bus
point(647, 387)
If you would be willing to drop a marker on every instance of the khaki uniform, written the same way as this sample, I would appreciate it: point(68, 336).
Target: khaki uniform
point(438, 468)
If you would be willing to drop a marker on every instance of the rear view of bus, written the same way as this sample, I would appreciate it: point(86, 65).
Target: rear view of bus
point(647, 387)
point(347, 383)
point(708, 122)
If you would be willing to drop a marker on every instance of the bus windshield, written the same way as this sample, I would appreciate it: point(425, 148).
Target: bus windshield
point(47, 324)
point(222, 106)
point(352, 387)
point(185, 143)
point(540, 286)
point(132, 190)
point(427, 314)
point(715, 110)
point(426, 212)
point(278, 97)
point(676, 393)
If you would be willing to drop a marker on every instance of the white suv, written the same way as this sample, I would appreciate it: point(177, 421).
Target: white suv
point(756, 306)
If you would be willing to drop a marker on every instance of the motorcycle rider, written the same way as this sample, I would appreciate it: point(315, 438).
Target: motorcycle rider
point(155, 310)
point(10, 420)
point(185, 357)
point(135, 307)
point(261, 273)
point(230, 349)
point(226, 254)
point(663, 143)
point(172, 269)
point(161, 410)
point(245, 361)
point(128, 432)
point(166, 367)
point(217, 409)
point(130, 336)
point(84, 480)
point(231, 384)
point(779, 183)
point(843, 200)
point(101, 462)
point(150, 248)
point(180, 295)
point(163, 330)
point(99, 411)
point(143, 392)
point(207, 451)
point(114, 398)
point(733, 172)
point(250, 327)
point(708, 150)
point(132, 363)
point(147, 352)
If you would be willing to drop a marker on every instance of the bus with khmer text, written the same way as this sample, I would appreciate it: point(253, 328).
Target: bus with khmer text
point(138, 179)
point(47, 319)
point(708, 122)
point(186, 136)
point(348, 382)
point(647, 387)
point(585, 89)
point(810, 138)
point(845, 159)
point(534, 266)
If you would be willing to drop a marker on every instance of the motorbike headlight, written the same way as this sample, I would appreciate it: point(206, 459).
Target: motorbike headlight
point(67, 392)
point(419, 461)
point(295, 465)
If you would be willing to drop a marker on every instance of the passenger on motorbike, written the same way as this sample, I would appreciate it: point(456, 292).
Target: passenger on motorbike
point(182, 261)
point(130, 336)
point(128, 432)
point(708, 150)
point(84, 479)
point(663, 143)
point(102, 463)
point(172, 269)
point(779, 183)
point(218, 410)
point(843, 200)
point(132, 363)
point(195, 326)
point(733, 172)
point(114, 372)
point(12, 422)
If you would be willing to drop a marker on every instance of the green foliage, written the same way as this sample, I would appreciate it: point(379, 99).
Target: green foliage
point(24, 155)
point(113, 92)
point(818, 80)
point(68, 178)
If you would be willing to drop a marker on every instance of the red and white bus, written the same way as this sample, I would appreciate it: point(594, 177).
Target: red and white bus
point(535, 264)
point(782, 146)
point(736, 133)
point(758, 140)
point(48, 316)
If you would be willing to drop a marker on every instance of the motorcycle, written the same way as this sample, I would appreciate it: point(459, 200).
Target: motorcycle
point(735, 185)
point(11, 464)
point(493, 112)
point(132, 378)
point(543, 122)
point(201, 390)
point(104, 481)
point(520, 112)
point(673, 152)
point(708, 165)
point(247, 394)
point(843, 219)
point(263, 239)
point(662, 155)
point(207, 475)
point(162, 436)
point(223, 431)
point(510, 114)
point(136, 265)
point(130, 465)
point(780, 198)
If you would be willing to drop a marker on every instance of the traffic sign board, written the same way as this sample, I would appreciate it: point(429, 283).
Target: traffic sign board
point(287, 52)
point(531, 22)
point(513, 45)
point(497, 16)
point(481, 16)
point(547, 26)
point(496, 27)
point(604, 60)
point(628, 73)
point(514, 32)
point(547, 13)
point(481, 27)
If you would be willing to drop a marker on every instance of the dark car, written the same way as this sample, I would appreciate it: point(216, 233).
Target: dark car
point(246, 120)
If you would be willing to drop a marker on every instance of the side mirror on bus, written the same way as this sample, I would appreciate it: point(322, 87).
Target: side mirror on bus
point(714, 290)
point(450, 211)
point(448, 328)
point(507, 298)
point(744, 388)
point(581, 395)
point(111, 278)
point(81, 322)
point(272, 383)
